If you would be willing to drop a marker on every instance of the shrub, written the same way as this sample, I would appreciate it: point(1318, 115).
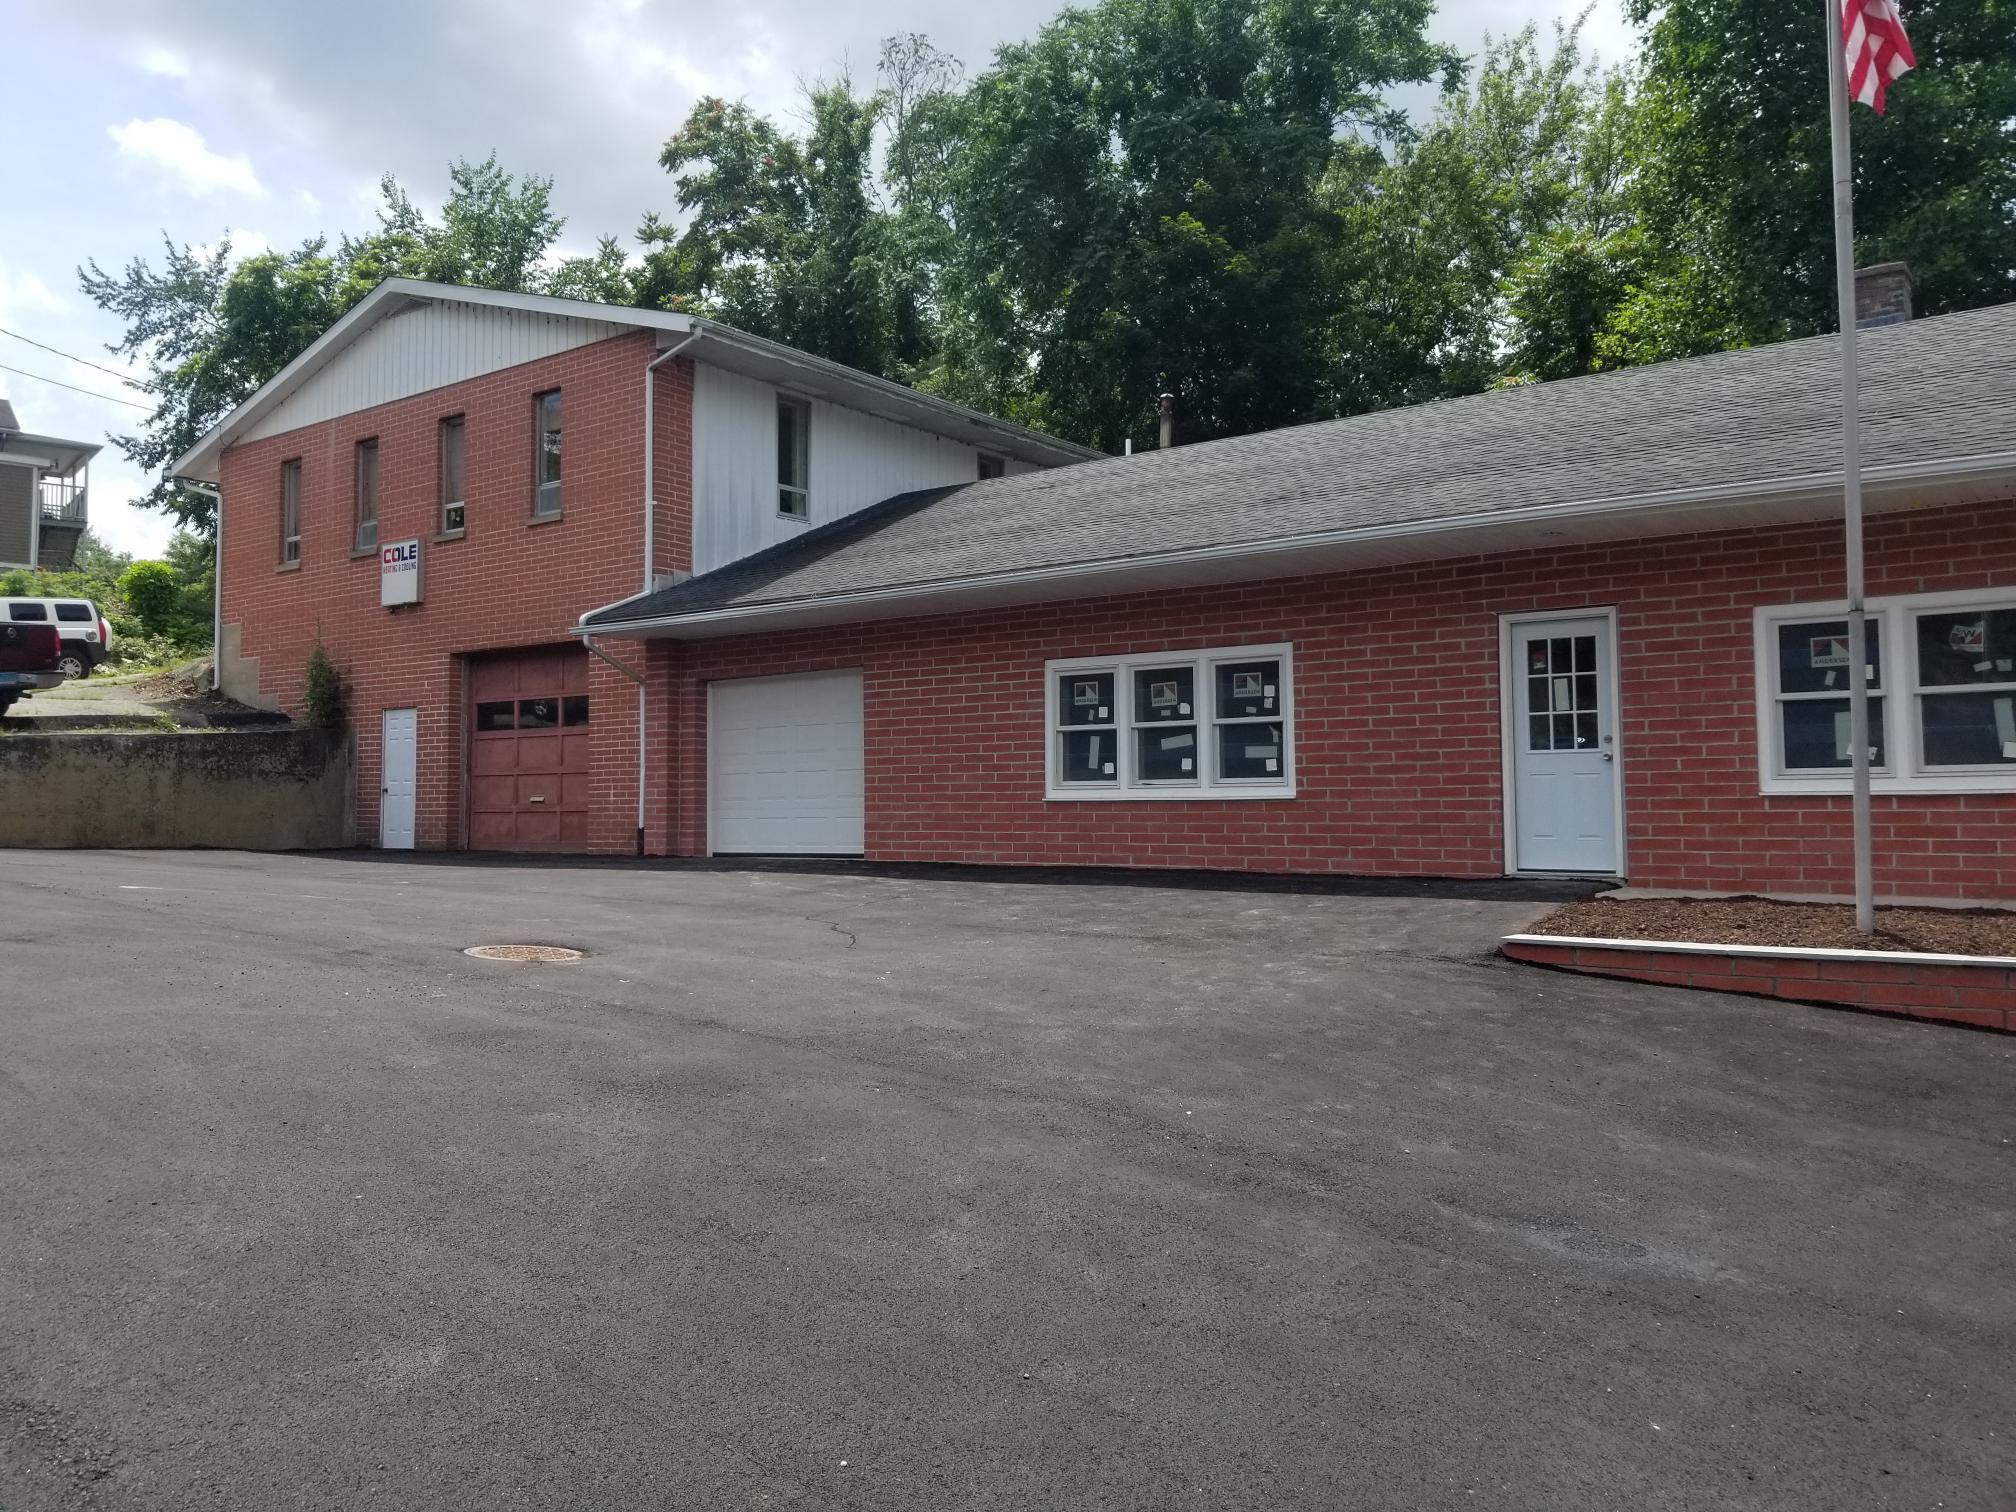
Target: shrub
point(325, 693)
point(154, 595)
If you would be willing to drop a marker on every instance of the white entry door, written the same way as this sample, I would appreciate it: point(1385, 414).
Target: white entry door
point(1562, 693)
point(399, 749)
point(784, 765)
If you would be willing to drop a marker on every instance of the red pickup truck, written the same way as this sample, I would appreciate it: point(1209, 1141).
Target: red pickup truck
point(30, 658)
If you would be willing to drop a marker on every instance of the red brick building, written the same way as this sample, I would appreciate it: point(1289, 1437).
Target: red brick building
point(1587, 627)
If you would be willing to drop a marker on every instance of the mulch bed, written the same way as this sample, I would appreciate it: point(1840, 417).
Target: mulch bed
point(1760, 921)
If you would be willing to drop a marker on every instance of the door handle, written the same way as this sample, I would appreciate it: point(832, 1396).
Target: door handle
point(1609, 756)
point(536, 798)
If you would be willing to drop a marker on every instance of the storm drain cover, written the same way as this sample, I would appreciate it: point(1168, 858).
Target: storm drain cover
point(529, 954)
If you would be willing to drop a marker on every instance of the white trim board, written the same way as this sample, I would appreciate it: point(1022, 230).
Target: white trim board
point(1767, 952)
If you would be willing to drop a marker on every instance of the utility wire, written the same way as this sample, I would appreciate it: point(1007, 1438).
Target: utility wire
point(92, 393)
point(73, 357)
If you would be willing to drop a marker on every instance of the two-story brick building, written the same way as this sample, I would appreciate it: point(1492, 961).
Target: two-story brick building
point(1587, 627)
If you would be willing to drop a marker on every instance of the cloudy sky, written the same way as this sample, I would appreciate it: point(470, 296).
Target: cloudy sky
point(270, 121)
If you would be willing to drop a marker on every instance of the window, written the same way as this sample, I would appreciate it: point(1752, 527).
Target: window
point(19, 610)
point(574, 710)
point(290, 512)
point(992, 467)
point(1941, 672)
point(367, 496)
point(546, 455)
point(794, 458)
point(1190, 724)
point(452, 518)
point(76, 614)
point(496, 716)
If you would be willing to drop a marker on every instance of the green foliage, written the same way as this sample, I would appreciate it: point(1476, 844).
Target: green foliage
point(325, 696)
point(151, 592)
point(1732, 180)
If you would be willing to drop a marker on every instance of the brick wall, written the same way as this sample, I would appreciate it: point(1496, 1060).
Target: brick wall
point(508, 582)
point(1397, 725)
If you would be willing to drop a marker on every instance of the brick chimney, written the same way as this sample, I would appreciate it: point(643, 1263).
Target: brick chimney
point(1882, 295)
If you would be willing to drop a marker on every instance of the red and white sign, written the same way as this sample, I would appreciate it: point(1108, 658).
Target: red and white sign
point(399, 573)
point(1829, 651)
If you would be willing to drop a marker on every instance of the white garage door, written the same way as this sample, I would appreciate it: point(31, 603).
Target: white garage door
point(785, 765)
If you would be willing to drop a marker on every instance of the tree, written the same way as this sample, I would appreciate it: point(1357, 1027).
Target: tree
point(1733, 180)
point(1135, 206)
point(211, 329)
point(150, 591)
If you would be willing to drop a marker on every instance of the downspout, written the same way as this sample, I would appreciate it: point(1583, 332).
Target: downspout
point(216, 579)
point(650, 554)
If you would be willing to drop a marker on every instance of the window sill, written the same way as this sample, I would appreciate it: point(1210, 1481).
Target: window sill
point(293, 566)
point(358, 553)
point(1890, 787)
point(449, 535)
point(1167, 795)
point(791, 519)
point(547, 519)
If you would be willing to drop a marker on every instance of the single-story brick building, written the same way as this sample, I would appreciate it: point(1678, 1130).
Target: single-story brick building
point(1586, 627)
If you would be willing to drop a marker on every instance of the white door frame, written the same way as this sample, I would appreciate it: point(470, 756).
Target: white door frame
point(1508, 701)
point(384, 786)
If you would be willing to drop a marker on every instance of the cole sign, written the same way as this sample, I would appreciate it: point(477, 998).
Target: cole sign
point(399, 573)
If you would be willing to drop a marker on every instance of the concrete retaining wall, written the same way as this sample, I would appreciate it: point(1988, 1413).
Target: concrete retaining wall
point(239, 789)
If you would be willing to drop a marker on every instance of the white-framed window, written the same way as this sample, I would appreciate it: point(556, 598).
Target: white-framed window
point(290, 512)
point(794, 458)
point(367, 496)
point(546, 455)
point(453, 432)
point(1941, 672)
point(1215, 723)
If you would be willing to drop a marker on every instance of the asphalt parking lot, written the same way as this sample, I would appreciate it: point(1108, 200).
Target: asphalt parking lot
point(818, 1190)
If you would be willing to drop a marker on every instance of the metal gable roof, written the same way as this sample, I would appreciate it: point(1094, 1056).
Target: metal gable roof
point(1939, 395)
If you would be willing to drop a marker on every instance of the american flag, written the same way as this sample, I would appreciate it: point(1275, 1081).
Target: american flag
point(1872, 36)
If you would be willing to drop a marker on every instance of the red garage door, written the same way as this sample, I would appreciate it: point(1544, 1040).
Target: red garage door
point(528, 751)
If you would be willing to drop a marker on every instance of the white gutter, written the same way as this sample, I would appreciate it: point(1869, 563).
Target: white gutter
point(1807, 484)
point(216, 580)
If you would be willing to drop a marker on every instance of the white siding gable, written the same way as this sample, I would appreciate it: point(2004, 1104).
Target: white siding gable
point(856, 460)
point(426, 346)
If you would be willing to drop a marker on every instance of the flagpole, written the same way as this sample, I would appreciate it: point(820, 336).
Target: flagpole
point(1851, 470)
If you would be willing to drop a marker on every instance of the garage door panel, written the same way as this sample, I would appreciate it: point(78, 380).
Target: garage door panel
point(786, 765)
point(529, 750)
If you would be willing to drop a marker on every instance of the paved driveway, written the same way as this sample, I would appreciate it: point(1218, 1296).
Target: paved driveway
point(876, 1192)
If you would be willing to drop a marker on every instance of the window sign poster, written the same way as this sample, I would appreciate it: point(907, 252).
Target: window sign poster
point(1830, 651)
point(1246, 685)
point(1970, 636)
point(1084, 693)
point(1162, 695)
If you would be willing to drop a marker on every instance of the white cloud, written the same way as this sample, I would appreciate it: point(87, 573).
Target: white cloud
point(22, 294)
point(180, 148)
point(164, 61)
point(244, 244)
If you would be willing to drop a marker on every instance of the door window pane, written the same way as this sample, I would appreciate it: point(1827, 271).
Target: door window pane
point(574, 710)
point(1813, 656)
point(538, 713)
point(1816, 733)
point(495, 716)
point(1249, 751)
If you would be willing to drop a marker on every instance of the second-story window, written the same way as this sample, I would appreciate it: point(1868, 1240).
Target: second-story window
point(546, 455)
point(992, 466)
point(794, 458)
point(452, 515)
point(290, 512)
point(367, 496)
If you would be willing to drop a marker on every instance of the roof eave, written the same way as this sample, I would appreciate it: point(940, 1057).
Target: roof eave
point(1685, 509)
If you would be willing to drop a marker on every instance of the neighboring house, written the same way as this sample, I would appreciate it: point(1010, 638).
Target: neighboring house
point(43, 485)
point(1588, 627)
point(441, 485)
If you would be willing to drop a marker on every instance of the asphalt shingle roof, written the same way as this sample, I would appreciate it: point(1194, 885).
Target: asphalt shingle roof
point(1932, 391)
